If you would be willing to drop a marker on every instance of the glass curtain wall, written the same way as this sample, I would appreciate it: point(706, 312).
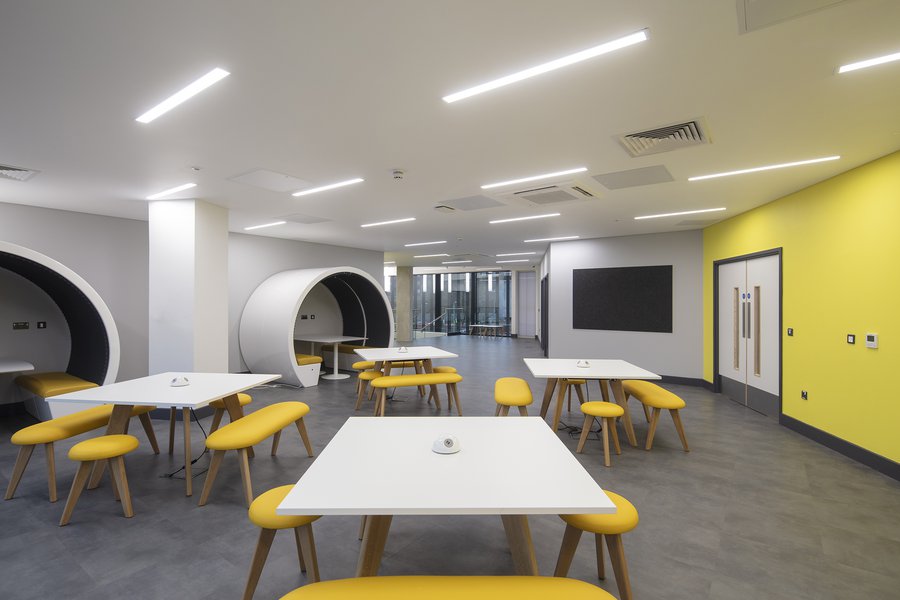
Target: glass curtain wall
point(490, 305)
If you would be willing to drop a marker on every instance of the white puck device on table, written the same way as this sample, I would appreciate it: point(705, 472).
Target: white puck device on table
point(446, 444)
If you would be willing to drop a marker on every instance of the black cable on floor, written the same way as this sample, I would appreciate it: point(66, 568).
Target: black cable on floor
point(173, 474)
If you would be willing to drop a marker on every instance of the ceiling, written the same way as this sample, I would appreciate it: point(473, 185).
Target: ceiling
point(328, 90)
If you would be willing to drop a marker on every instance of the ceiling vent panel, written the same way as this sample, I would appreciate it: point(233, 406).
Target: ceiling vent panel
point(696, 223)
point(16, 173)
point(635, 177)
point(271, 180)
point(468, 203)
point(665, 139)
point(756, 14)
point(545, 195)
point(304, 219)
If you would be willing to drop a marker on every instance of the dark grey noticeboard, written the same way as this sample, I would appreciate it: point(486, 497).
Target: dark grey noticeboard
point(623, 298)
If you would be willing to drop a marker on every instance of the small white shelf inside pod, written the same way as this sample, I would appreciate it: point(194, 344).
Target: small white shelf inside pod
point(269, 318)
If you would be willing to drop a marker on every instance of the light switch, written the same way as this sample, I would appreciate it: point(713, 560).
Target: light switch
point(871, 340)
point(851, 339)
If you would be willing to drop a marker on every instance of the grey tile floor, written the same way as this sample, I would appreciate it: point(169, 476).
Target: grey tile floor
point(754, 511)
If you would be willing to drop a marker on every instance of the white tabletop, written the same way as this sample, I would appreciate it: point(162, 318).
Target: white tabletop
point(597, 368)
point(12, 365)
point(156, 390)
point(412, 353)
point(322, 338)
point(506, 466)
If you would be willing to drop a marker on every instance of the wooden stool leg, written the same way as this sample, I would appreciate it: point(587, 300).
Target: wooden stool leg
point(115, 486)
point(307, 547)
point(301, 427)
point(580, 393)
point(611, 424)
point(51, 470)
point(585, 430)
point(606, 444)
point(259, 560)
point(22, 458)
point(567, 551)
point(504, 411)
point(676, 418)
point(523, 410)
point(81, 476)
point(299, 550)
point(245, 476)
point(147, 424)
point(620, 567)
point(117, 470)
point(568, 398)
point(217, 419)
point(360, 394)
point(275, 439)
point(211, 475)
point(654, 421)
point(383, 400)
point(362, 526)
point(601, 568)
point(172, 430)
point(456, 398)
point(96, 474)
point(604, 391)
point(497, 412)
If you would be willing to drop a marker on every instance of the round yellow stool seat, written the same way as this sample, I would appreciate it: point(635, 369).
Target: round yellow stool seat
point(363, 365)
point(262, 511)
point(103, 447)
point(623, 520)
point(370, 375)
point(243, 400)
point(512, 391)
point(602, 410)
point(444, 370)
point(576, 381)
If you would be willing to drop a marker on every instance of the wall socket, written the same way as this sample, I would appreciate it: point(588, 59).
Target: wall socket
point(851, 339)
point(20, 325)
point(42, 324)
point(803, 395)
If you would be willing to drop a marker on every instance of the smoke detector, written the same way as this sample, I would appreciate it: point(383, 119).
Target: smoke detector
point(398, 174)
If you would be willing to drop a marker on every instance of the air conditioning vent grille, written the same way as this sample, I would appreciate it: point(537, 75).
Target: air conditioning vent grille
point(16, 173)
point(665, 139)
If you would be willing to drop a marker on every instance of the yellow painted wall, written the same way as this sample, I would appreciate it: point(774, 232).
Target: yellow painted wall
point(841, 274)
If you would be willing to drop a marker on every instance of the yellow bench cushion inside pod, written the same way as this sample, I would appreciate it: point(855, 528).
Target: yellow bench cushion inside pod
point(308, 359)
point(421, 587)
point(46, 385)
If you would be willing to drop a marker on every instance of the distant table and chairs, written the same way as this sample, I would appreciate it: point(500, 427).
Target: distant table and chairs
point(329, 339)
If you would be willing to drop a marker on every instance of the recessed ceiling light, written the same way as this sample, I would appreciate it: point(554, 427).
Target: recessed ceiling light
point(534, 178)
point(180, 96)
point(869, 63)
point(389, 222)
point(513, 261)
point(523, 218)
point(390, 262)
point(424, 244)
point(555, 239)
point(765, 168)
point(455, 262)
point(330, 186)
point(170, 191)
point(429, 255)
point(265, 225)
point(677, 214)
point(516, 254)
point(565, 61)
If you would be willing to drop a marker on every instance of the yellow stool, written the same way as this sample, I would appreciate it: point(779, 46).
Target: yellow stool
point(568, 384)
point(607, 412)
point(433, 587)
point(110, 448)
point(362, 383)
point(262, 514)
point(511, 391)
point(612, 526)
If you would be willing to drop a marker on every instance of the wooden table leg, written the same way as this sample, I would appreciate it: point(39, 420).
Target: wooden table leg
point(188, 480)
point(434, 389)
point(619, 393)
point(560, 400)
point(548, 395)
point(374, 539)
point(519, 537)
point(118, 421)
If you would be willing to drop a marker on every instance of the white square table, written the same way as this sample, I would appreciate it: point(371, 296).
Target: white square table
point(604, 369)
point(384, 467)
point(156, 390)
point(329, 339)
point(383, 357)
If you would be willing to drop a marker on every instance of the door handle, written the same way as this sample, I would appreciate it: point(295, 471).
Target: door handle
point(747, 320)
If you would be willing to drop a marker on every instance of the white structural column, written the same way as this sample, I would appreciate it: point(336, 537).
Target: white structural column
point(403, 300)
point(188, 284)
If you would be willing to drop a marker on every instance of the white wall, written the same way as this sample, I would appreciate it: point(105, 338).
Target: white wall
point(328, 320)
point(109, 253)
point(679, 353)
point(252, 259)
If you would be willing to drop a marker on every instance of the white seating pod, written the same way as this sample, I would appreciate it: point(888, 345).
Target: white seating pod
point(94, 351)
point(269, 317)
